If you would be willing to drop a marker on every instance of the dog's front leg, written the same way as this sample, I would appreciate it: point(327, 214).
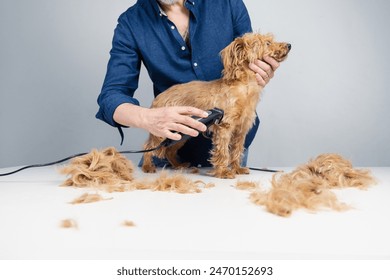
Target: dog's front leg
point(220, 156)
point(236, 151)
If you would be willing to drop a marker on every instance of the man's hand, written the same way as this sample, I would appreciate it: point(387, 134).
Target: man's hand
point(163, 122)
point(167, 121)
point(264, 70)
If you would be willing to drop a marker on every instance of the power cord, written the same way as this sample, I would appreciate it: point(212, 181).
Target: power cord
point(73, 156)
point(264, 169)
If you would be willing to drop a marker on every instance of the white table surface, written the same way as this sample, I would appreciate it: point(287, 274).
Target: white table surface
point(218, 223)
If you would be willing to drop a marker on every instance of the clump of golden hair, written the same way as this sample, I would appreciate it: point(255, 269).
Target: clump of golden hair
point(128, 223)
point(88, 198)
point(309, 186)
point(106, 169)
point(68, 223)
point(176, 182)
point(336, 171)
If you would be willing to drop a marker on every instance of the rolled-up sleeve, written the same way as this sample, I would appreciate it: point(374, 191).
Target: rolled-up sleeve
point(122, 75)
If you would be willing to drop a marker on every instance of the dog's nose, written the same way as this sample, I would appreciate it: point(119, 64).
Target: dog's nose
point(289, 46)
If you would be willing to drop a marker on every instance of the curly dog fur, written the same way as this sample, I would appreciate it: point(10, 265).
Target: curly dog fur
point(237, 93)
point(310, 185)
point(100, 168)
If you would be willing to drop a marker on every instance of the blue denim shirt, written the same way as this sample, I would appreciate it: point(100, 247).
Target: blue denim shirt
point(145, 35)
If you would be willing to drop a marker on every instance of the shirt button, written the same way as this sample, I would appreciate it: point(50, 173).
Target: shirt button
point(183, 48)
point(172, 27)
point(195, 64)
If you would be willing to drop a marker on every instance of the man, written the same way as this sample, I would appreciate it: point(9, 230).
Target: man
point(178, 41)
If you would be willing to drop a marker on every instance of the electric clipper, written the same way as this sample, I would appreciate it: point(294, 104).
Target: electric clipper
point(215, 116)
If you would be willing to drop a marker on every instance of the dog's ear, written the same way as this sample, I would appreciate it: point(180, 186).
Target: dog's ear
point(233, 54)
point(254, 47)
point(237, 56)
point(230, 56)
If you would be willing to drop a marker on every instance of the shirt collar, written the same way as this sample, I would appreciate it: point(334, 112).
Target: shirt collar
point(161, 11)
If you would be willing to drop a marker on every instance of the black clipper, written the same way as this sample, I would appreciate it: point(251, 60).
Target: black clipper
point(215, 116)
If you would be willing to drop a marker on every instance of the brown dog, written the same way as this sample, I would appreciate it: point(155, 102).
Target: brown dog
point(237, 93)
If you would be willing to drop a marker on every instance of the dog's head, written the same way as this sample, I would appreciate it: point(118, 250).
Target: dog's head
point(248, 48)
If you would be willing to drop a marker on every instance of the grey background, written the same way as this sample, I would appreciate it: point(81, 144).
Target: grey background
point(331, 95)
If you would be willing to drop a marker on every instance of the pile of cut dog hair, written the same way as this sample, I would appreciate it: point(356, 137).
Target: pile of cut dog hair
point(309, 186)
point(110, 171)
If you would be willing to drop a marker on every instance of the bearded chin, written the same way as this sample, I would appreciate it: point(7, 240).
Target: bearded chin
point(168, 2)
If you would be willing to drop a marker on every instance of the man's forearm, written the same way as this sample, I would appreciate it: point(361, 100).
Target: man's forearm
point(128, 114)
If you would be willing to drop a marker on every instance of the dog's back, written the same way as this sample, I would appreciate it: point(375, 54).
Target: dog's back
point(198, 94)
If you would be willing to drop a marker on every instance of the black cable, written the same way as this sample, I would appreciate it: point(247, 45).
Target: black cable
point(264, 169)
point(43, 164)
point(70, 157)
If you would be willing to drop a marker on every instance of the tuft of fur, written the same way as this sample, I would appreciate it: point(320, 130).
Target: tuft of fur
point(237, 93)
point(310, 186)
point(128, 223)
point(336, 171)
point(247, 185)
point(176, 182)
point(88, 198)
point(106, 169)
point(68, 223)
point(289, 194)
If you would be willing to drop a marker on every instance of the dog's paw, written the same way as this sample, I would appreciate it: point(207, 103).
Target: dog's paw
point(241, 170)
point(182, 166)
point(223, 173)
point(149, 168)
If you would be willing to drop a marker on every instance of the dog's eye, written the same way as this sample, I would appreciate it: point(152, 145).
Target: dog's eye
point(268, 43)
